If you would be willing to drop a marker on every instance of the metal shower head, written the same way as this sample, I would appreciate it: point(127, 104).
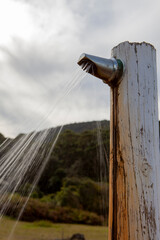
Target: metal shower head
point(109, 70)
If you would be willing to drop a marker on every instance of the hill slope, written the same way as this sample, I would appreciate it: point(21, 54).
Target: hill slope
point(85, 126)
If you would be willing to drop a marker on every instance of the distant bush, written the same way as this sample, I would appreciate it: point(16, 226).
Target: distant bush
point(48, 199)
point(71, 215)
point(26, 188)
point(68, 197)
point(37, 210)
point(85, 194)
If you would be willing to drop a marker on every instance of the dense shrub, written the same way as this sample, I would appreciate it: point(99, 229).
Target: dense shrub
point(26, 188)
point(37, 210)
point(34, 210)
point(49, 199)
point(68, 197)
point(71, 215)
point(85, 194)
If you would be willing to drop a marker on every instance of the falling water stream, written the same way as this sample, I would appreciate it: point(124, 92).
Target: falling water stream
point(27, 156)
point(103, 166)
point(23, 159)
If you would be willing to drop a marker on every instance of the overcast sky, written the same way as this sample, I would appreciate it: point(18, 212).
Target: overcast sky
point(40, 43)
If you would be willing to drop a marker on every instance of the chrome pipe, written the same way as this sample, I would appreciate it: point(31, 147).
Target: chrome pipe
point(109, 70)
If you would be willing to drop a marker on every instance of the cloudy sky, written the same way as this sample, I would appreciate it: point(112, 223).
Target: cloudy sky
point(40, 43)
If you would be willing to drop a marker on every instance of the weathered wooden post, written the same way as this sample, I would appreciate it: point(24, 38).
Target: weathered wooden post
point(134, 162)
point(134, 204)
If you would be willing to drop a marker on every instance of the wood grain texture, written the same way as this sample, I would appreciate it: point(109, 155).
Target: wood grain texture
point(134, 147)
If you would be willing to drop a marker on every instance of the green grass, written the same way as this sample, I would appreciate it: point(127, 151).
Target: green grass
point(45, 230)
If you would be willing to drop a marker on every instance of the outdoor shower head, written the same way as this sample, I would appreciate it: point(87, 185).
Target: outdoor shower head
point(109, 70)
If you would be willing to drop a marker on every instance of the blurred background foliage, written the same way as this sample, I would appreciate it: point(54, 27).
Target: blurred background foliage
point(74, 184)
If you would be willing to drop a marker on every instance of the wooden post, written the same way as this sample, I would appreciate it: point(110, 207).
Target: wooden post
point(134, 162)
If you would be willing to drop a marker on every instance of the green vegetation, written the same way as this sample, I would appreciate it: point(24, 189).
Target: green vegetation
point(44, 230)
point(73, 175)
point(74, 184)
point(37, 210)
point(75, 155)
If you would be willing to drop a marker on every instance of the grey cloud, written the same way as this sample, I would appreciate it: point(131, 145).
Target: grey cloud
point(87, 25)
point(40, 68)
point(19, 117)
point(39, 3)
point(95, 15)
point(33, 60)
